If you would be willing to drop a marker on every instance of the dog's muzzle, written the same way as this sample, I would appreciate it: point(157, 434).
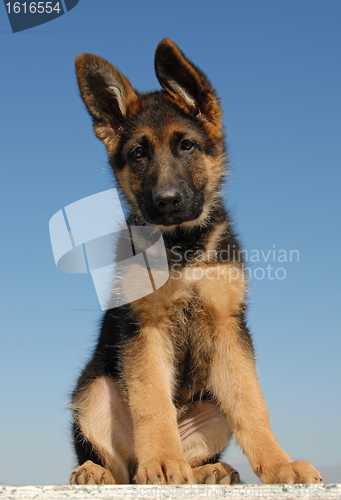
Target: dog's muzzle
point(168, 201)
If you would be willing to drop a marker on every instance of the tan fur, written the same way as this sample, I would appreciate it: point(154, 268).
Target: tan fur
point(233, 373)
point(212, 242)
point(90, 473)
point(103, 416)
point(212, 436)
point(150, 391)
point(219, 473)
point(150, 400)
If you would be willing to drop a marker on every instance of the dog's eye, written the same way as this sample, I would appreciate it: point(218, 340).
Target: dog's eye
point(186, 144)
point(138, 153)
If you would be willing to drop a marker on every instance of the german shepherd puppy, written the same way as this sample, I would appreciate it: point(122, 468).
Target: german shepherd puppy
point(173, 375)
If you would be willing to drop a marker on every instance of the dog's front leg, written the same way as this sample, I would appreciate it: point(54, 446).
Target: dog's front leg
point(234, 382)
point(148, 369)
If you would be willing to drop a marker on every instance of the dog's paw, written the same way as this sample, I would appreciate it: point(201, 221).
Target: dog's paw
point(289, 473)
point(164, 471)
point(219, 473)
point(90, 473)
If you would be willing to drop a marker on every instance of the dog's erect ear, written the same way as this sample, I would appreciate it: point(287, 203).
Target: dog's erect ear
point(105, 92)
point(187, 85)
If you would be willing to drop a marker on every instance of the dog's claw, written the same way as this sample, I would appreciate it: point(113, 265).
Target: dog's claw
point(81, 478)
point(212, 479)
point(232, 478)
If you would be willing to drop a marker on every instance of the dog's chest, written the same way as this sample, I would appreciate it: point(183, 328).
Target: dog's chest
point(193, 340)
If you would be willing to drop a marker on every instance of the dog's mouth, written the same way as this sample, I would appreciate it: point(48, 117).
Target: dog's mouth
point(171, 209)
point(169, 220)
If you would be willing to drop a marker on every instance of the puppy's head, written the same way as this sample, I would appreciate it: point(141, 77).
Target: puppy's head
point(166, 147)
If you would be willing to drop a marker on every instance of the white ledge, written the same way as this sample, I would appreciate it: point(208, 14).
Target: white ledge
point(124, 492)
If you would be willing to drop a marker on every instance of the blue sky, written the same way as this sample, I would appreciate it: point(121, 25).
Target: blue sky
point(276, 67)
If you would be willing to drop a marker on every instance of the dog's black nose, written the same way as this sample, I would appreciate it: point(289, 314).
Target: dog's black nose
point(167, 200)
